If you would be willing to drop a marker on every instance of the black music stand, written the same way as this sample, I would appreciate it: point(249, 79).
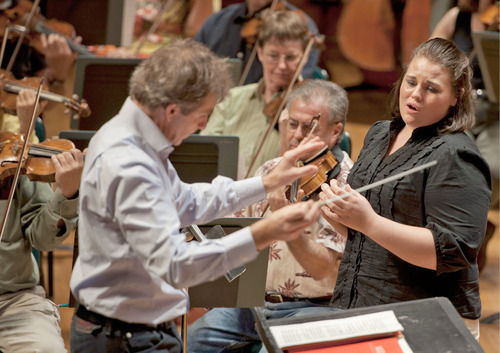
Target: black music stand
point(103, 82)
point(247, 290)
point(430, 325)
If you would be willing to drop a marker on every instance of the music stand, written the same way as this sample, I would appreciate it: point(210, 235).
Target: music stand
point(247, 290)
point(486, 45)
point(430, 325)
point(103, 82)
point(196, 159)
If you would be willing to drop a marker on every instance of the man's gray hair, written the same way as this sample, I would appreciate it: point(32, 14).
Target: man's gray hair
point(183, 72)
point(324, 92)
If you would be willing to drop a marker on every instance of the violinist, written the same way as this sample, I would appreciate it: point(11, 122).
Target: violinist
point(283, 37)
point(301, 273)
point(52, 59)
point(222, 32)
point(41, 218)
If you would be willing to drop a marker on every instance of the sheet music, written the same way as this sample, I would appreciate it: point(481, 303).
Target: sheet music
point(370, 325)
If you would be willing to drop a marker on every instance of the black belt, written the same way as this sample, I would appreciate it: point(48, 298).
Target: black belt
point(279, 298)
point(115, 324)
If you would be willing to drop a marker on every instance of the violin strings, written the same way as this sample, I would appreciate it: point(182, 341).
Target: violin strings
point(15, 87)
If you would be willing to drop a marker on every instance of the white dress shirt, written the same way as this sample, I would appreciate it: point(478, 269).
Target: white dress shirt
point(134, 262)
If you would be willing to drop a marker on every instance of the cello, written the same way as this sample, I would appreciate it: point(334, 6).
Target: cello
point(377, 40)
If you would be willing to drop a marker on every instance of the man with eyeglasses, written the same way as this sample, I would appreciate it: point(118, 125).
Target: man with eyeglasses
point(302, 273)
point(282, 39)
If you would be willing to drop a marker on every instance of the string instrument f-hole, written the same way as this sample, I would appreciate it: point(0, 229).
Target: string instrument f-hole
point(37, 164)
point(324, 160)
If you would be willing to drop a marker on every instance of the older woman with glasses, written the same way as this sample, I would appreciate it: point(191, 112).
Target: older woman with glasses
point(282, 39)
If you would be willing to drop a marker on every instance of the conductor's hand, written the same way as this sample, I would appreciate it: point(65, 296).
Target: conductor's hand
point(286, 224)
point(286, 172)
point(69, 167)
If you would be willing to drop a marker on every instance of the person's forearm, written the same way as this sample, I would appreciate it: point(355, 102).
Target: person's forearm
point(315, 258)
point(412, 244)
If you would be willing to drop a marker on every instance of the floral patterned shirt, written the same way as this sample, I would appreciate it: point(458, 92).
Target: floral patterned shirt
point(285, 274)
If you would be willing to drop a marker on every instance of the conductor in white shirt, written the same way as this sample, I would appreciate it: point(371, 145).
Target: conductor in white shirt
point(134, 262)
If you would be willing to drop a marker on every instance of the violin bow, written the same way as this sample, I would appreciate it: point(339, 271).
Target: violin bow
point(4, 43)
point(21, 37)
point(8, 28)
point(296, 75)
point(253, 53)
point(294, 189)
point(20, 162)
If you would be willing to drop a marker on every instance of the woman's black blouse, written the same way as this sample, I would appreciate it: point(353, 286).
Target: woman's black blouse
point(451, 199)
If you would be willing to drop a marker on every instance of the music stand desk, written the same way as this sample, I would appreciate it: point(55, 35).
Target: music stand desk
point(247, 290)
point(430, 325)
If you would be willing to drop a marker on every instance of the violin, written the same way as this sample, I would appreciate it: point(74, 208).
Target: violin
point(310, 183)
point(325, 163)
point(10, 87)
point(37, 165)
point(39, 25)
point(250, 29)
point(272, 107)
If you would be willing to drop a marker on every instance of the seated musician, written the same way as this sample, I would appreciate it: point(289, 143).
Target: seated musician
point(221, 32)
point(51, 59)
point(182, 18)
point(40, 218)
point(301, 273)
point(282, 39)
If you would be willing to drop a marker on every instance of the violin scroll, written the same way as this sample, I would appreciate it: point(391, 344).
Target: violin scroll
point(81, 108)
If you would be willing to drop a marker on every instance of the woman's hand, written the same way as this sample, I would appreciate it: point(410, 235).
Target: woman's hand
point(353, 211)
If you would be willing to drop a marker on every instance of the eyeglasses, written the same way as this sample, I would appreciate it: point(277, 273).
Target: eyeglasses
point(292, 126)
point(274, 58)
